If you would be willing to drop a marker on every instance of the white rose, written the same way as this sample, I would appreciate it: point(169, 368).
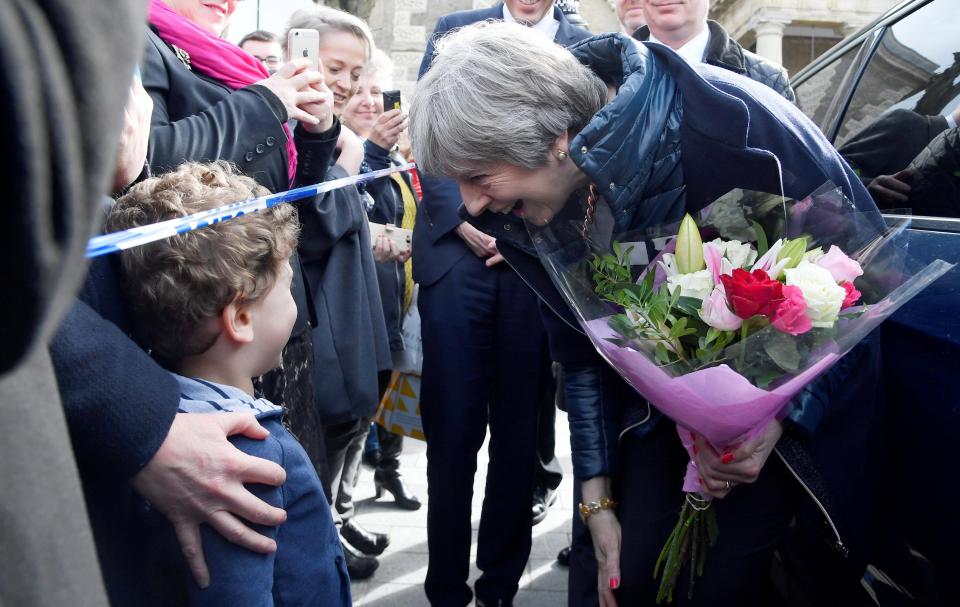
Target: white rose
point(695, 284)
point(740, 254)
point(821, 292)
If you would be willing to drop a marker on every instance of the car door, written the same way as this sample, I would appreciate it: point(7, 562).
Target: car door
point(891, 104)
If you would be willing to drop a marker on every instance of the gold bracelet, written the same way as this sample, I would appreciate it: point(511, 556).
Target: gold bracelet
point(590, 508)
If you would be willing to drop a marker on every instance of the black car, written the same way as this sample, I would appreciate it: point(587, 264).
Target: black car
point(888, 98)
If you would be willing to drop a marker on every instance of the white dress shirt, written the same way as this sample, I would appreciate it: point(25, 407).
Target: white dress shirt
point(548, 25)
point(693, 51)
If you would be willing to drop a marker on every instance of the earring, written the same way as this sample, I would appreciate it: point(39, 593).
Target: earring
point(562, 155)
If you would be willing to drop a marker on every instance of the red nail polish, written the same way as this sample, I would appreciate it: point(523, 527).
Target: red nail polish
point(727, 457)
point(614, 583)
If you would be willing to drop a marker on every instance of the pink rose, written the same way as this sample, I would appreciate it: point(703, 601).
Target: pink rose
point(841, 267)
point(851, 297)
point(791, 315)
point(715, 312)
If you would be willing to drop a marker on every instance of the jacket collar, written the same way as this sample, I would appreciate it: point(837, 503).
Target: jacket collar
point(720, 52)
point(568, 32)
point(639, 70)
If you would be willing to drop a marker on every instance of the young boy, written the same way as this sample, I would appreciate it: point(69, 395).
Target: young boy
point(214, 306)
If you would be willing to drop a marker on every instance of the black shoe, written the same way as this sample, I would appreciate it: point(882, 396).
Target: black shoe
point(494, 603)
point(543, 498)
point(371, 459)
point(393, 482)
point(365, 541)
point(563, 557)
point(359, 566)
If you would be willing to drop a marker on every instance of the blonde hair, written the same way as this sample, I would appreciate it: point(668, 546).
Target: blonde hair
point(325, 19)
point(175, 285)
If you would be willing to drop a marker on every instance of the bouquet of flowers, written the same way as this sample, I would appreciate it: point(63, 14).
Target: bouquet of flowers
point(740, 309)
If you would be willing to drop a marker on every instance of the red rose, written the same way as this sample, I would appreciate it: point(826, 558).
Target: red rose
point(752, 294)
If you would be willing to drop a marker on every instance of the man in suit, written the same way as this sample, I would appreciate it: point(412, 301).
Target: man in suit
point(485, 361)
point(684, 27)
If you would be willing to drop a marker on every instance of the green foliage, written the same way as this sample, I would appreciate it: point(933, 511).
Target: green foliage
point(669, 322)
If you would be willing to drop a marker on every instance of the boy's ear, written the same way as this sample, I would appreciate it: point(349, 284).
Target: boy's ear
point(237, 322)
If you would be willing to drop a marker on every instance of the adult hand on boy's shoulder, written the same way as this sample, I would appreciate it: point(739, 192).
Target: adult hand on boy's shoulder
point(197, 476)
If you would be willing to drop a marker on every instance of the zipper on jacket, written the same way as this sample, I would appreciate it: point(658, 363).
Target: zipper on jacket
point(838, 543)
point(639, 423)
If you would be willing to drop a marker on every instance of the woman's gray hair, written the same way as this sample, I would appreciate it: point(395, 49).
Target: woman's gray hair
point(498, 92)
point(325, 19)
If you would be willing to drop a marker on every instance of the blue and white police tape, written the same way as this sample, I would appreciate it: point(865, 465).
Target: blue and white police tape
point(133, 237)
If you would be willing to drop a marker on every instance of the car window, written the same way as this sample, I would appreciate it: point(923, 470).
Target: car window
point(818, 96)
point(899, 130)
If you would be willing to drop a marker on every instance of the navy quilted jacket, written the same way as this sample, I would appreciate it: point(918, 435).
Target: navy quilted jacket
point(674, 139)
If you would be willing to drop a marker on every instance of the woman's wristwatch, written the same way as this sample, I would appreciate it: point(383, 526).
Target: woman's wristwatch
point(590, 508)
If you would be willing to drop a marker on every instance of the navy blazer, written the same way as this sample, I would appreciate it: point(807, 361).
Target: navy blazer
point(436, 247)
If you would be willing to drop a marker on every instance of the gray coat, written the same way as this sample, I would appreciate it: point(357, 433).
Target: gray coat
point(350, 339)
point(63, 110)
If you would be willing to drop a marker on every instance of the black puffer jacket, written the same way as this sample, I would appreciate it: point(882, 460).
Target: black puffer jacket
point(935, 177)
point(724, 52)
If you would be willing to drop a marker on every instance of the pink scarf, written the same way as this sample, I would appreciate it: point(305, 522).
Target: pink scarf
point(223, 61)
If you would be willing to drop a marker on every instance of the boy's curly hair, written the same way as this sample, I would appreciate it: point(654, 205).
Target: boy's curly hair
point(175, 285)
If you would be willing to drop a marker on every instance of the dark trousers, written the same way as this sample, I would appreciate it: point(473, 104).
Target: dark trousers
point(753, 520)
point(549, 472)
point(344, 445)
point(483, 344)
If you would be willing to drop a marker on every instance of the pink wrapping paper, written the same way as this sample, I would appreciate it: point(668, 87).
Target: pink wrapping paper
point(717, 402)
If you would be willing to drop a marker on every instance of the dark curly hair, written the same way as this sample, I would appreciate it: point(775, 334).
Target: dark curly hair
point(175, 285)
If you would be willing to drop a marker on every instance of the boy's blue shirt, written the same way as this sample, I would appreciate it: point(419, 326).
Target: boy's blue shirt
point(202, 396)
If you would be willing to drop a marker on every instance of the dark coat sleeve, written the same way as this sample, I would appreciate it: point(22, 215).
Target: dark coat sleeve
point(935, 177)
point(228, 129)
point(119, 403)
point(890, 143)
point(315, 153)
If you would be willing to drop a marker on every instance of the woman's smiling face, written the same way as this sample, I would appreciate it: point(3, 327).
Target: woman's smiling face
point(343, 56)
point(534, 194)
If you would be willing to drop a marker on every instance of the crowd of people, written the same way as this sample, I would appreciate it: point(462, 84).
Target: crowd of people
point(220, 386)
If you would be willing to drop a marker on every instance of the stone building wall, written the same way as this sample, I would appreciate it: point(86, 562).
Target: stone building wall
point(401, 28)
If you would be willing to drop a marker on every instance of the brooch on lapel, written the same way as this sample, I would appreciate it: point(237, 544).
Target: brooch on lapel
point(183, 56)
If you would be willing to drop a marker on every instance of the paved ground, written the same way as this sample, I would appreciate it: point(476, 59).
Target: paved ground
point(399, 580)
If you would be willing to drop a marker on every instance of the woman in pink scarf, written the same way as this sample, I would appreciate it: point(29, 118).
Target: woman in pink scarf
point(213, 101)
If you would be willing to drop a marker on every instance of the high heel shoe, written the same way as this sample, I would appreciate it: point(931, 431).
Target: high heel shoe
point(394, 484)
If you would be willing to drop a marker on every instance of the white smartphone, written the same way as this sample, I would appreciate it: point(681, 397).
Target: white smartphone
point(304, 44)
point(401, 237)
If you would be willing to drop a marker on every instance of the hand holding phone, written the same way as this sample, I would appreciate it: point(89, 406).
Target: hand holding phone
point(304, 44)
point(390, 124)
point(391, 100)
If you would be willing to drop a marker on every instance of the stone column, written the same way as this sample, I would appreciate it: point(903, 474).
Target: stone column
point(770, 40)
